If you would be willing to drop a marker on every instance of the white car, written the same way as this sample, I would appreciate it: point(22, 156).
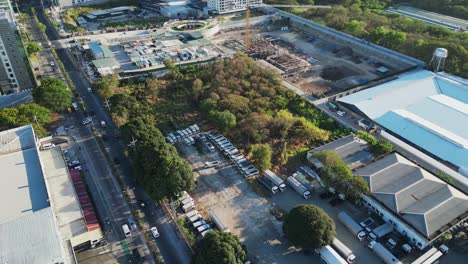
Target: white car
point(52, 63)
point(86, 121)
point(154, 232)
point(341, 113)
point(210, 164)
point(90, 90)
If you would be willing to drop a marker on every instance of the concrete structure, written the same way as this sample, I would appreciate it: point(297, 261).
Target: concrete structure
point(424, 109)
point(14, 76)
point(351, 149)
point(112, 12)
point(73, 3)
point(417, 203)
point(106, 66)
point(100, 51)
point(227, 6)
point(6, 12)
point(28, 225)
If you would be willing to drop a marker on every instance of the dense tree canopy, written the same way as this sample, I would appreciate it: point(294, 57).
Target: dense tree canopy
point(219, 247)
point(337, 174)
point(33, 47)
point(53, 94)
point(25, 114)
point(157, 164)
point(261, 155)
point(309, 227)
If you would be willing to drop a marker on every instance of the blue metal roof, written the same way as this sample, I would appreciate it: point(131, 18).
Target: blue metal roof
point(427, 109)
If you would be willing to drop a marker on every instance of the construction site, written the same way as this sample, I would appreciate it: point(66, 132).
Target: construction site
point(317, 60)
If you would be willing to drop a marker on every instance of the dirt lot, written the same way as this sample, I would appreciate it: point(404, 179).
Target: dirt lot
point(247, 213)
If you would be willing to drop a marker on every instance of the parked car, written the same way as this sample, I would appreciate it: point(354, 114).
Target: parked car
point(86, 121)
point(52, 63)
point(210, 164)
point(132, 223)
point(210, 146)
point(340, 113)
point(201, 136)
point(154, 232)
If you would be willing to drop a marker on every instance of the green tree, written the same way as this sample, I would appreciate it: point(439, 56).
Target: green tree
point(33, 47)
point(224, 120)
point(219, 247)
point(328, 157)
point(355, 27)
point(25, 114)
point(382, 147)
point(53, 94)
point(261, 154)
point(107, 85)
point(309, 227)
point(157, 164)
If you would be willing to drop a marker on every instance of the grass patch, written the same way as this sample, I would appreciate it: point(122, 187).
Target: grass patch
point(181, 222)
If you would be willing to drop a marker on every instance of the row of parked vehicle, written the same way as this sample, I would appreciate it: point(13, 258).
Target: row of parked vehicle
point(185, 135)
point(243, 165)
point(188, 206)
point(198, 222)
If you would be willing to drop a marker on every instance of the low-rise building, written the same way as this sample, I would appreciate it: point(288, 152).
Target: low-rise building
point(417, 203)
point(228, 6)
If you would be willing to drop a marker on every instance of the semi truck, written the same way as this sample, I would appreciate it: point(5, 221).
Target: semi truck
point(275, 179)
point(268, 184)
point(298, 187)
point(343, 250)
point(330, 256)
point(380, 231)
point(386, 256)
point(352, 225)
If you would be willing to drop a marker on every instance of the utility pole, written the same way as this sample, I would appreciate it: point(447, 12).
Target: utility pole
point(107, 104)
point(132, 143)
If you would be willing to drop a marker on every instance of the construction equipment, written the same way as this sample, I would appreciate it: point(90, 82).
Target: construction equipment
point(247, 18)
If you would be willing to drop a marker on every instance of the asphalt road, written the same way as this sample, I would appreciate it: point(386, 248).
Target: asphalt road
point(171, 247)
point(45, 57)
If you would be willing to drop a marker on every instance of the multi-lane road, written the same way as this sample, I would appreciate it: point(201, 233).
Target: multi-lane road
point(110, 201)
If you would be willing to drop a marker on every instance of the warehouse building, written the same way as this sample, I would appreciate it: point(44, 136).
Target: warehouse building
point(417, 203)
point(426, 110)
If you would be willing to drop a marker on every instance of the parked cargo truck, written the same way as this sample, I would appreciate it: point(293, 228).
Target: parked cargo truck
point(217, 221)
point(275, 179)
point(298, 187)
point(343, 250)
point(380, 231)
point(330, 256)
point(352, 225)
point(386, 256)
point(268, 184)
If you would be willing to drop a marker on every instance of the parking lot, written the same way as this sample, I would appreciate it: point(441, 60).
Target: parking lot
point(244, 207)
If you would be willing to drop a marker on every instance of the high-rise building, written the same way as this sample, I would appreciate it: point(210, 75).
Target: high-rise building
point(14, 76)
point(227, 6)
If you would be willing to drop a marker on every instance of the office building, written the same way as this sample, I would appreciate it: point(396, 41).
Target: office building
point(227, 6)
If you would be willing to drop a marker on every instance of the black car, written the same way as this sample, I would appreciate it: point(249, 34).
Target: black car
point(91, 113)
point(116, 161)
point(325, 195)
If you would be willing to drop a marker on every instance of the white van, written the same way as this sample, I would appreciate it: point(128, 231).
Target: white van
point(126, 230)
point(103, 124)
point(48, 146)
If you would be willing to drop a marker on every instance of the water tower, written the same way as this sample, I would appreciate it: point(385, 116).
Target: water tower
point(438, 59)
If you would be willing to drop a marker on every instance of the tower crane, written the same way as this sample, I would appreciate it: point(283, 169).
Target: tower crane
point(247, 17)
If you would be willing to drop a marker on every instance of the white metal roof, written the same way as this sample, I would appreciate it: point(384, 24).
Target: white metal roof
point(428, 109)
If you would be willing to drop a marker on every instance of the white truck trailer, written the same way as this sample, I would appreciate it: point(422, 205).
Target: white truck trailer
point(268, 184)
point(380, 231)
point(298, 187)
point(343, 250)
point(217, 221)
point(386, 256)
point(275, 179)
point(352, 225)
point(330, 256)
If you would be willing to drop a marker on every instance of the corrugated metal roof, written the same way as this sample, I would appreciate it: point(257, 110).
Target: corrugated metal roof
point(419, 197)
point(427, 109)
point(31, 239)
